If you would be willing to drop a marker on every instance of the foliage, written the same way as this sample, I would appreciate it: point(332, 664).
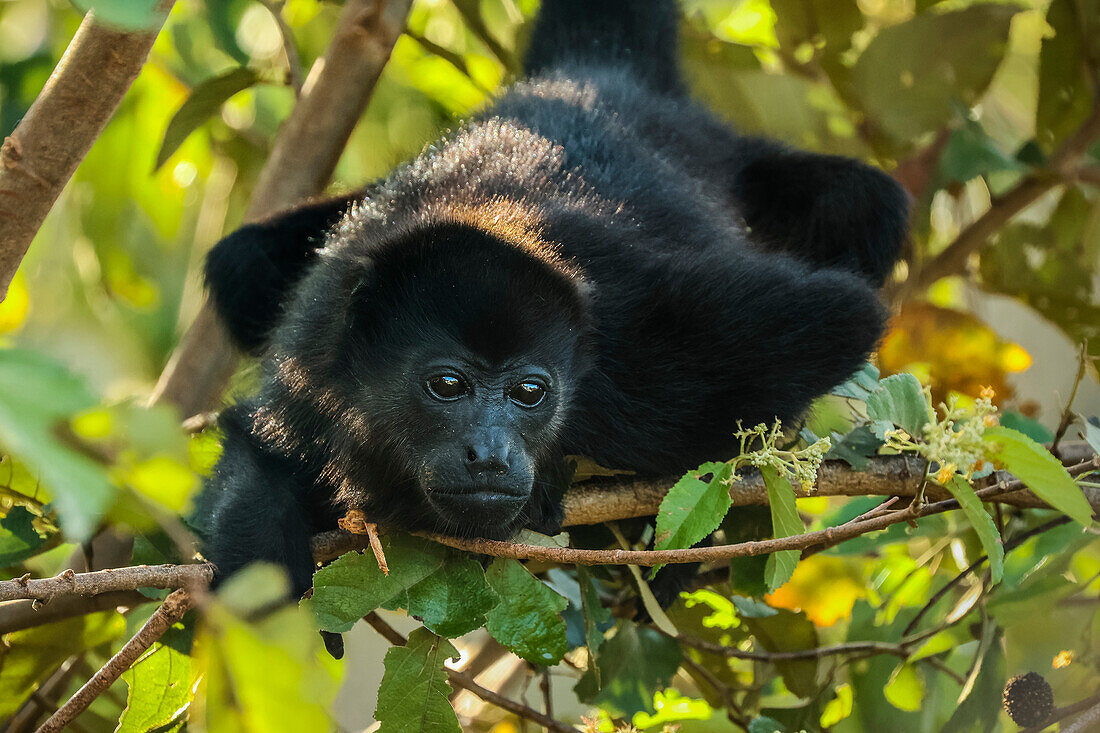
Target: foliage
point(963, 101)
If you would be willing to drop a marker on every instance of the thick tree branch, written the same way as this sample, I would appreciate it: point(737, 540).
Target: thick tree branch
point(593, 503)
point(301, 163)
point(69, 583)
point(39, 157)
point(329, 545)
point(171, 611)
point(460, 679)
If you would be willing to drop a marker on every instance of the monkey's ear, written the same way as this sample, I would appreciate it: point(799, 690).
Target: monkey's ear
point(251, 273)
point(825, 209)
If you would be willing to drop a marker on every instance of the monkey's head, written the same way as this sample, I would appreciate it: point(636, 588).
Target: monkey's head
point(446, 360)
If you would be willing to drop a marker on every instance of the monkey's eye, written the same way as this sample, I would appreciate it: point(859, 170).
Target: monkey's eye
point(527, 394)
point(446, 387)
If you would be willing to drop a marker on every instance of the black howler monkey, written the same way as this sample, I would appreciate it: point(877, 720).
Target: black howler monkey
point(593, 265)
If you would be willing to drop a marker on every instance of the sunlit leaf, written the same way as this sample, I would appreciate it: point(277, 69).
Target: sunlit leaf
point(693, 508)
point(981, 522)
point(29, 656)
point(37, 396)
point(161, 684)
point(1039, 470)
point(413, 695)
point(13, 308)
point(911, 74)
point(905, 688)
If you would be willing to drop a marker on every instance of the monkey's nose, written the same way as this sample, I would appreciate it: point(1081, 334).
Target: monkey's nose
point(482, 459)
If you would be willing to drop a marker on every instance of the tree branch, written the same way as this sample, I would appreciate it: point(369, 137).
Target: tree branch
point(329, 545)
point(1060, 168)
point(24, 614)
point(171, 611)
point(69, 583)
point(623, 498)
point(44, 150)
point(459, 679)
point(302, 160)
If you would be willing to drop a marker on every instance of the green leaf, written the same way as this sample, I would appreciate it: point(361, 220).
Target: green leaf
point(269, 676)
point(161, 684)
point(1030, 427)
point(981, 522)
point(453, 600)
point(138, 15)
point(633, 664)
point(527, 621)
point(18, 537)
point(860, 385)
point(911, 75)
point(901, 401)
point(37, 396)
point(413, 696)
point(787, 631)
point(745, 524)
point(970, 153)
point(352, 585)
point(980, 711)
point(785, 523)
point(1039, 470)
point(764, 724)
point(596, 617)
point(693, 508)
point(855, 448)
point(1064, 88)
point(905, 688)
point(205, 100)
point(28, 657)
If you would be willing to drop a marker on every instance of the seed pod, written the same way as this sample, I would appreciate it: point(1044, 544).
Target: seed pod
point(1028, 699)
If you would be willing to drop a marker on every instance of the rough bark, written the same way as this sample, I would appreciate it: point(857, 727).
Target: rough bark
point(41, 154)
point(304, 156)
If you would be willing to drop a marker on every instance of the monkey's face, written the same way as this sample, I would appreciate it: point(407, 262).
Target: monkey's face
point(480, 432)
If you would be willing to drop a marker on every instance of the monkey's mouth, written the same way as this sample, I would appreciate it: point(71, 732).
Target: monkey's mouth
point(477, 507)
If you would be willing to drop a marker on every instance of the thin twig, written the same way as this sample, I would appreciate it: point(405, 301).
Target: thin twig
point(451, 57)
point(1068, 415)
point(853, 647)
point(1060, 168)
point(1087, 721)
point(302, 160)
point(458, 679)
point(171, 611)
point(1008, 547)
point(1065, 711)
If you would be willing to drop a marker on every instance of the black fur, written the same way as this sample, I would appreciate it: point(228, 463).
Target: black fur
point(667, 275)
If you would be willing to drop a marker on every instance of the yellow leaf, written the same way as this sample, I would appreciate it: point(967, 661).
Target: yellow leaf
point(14, 307)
